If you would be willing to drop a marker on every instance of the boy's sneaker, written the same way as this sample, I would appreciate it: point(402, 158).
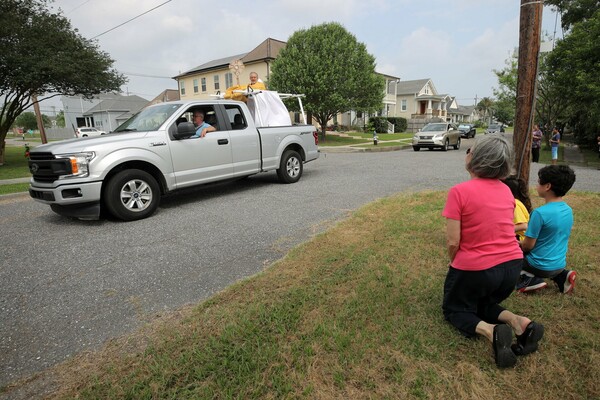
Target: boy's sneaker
point(569, 282)
point(530, 284)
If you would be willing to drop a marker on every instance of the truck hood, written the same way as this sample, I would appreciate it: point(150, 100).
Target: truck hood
point(72, 146)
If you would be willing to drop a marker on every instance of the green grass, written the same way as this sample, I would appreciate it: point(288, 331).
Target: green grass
point(15, 163)
point(355, 314)
point(14, 188)
point(384, 144)
point(381, 136)
point(333, 140)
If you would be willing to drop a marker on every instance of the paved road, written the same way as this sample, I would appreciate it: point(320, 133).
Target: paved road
point(69, 285)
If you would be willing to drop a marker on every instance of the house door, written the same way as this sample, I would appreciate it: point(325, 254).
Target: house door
point(422, 108)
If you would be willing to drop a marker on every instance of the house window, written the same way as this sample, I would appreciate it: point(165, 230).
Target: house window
point(217, 87)
point(228, 80)
point(203, 82)
point(403, 105)
point(182, 87)
point(195, 85)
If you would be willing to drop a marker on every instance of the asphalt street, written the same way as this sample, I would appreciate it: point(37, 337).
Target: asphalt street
point(68, 286)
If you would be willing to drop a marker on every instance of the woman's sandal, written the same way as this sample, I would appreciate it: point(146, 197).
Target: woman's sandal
point(503, 354)
point(527, 342)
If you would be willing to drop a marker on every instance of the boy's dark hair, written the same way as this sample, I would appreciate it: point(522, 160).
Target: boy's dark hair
point(519, 190)
point(560, 177)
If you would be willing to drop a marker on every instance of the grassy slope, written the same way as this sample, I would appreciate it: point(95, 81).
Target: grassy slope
point(355, 313)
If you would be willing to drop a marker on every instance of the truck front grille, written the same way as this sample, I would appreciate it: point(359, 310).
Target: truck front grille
point(45, 167)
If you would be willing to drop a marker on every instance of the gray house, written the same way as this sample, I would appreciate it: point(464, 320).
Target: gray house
point(105, 111)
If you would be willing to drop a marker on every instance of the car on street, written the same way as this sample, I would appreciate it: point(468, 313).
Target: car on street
point(467, 130)
point(86, 131)
point(437, 135)
point(494, 128)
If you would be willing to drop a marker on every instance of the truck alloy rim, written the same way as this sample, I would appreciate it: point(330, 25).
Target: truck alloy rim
point(136, 195)
point(293, 167)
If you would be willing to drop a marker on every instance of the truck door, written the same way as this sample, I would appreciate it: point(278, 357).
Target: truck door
point(202, 160)
point(245, 147)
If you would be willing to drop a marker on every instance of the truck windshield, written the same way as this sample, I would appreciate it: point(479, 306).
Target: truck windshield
point(149, 119)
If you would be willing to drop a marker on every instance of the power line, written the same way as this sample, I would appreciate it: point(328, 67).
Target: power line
point(85, 2)
point(128, 21)
point(145, 75)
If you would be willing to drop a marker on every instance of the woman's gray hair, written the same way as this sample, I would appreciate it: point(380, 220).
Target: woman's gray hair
point(491, 157)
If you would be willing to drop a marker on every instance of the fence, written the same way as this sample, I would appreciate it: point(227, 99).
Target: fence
point(59, 133)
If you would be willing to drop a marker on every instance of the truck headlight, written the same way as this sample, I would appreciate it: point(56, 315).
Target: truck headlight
point(79, 164)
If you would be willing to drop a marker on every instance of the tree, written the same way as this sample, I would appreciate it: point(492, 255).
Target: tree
point(549, 102)
point(572, 68)
point(506, 93)
point(574, 11)
point(26, 120)
point(60, 119)
point(42, 55)
point(332, 69)
point(485, 107)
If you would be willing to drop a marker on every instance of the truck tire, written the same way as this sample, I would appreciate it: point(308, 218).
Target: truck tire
point(290, 167)
point(416, 148)
point(131, 195)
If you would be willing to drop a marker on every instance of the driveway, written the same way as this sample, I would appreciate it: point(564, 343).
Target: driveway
point(68, 285)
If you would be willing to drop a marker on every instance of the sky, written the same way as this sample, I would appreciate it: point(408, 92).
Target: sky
point(456, 43)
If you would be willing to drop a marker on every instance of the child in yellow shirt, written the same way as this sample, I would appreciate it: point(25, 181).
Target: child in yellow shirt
point(522, 204)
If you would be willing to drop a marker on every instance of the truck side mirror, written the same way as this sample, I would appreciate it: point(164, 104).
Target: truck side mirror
point(184, 130)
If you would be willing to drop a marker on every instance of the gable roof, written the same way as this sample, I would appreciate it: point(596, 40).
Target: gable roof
point(119, 103)
point(267, 50)
point(411, 87)
point(465, 110)
point(166, 95)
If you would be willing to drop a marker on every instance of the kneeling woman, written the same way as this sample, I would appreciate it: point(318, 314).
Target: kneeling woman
point(485, 258)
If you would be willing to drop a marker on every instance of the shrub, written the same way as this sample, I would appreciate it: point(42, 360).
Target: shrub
point(400, 124)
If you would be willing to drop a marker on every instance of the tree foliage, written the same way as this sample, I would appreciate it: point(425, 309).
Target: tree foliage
point(506, 94)
point(333, 70)
point(549, 102)
point(42, 55)
point(574, 11)
point(572, 67)
point(28, 121)
point(486, 108)
point(60, 119)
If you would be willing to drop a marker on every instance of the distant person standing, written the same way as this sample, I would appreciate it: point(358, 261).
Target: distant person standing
point(536, 143)
point(554, 142)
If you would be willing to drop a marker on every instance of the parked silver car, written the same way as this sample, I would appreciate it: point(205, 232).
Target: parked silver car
point(494, 128)
point(437, 135)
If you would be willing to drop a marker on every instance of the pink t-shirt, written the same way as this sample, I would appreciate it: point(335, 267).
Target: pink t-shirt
point(485, 209)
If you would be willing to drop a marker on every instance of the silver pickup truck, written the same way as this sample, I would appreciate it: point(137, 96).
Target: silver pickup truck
point(126, 171)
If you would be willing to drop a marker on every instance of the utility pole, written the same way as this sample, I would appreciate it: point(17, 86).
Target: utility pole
point(529, 48)
point(40, 121)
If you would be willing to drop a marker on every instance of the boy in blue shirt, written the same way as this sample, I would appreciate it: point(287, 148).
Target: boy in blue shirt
point(547, 236)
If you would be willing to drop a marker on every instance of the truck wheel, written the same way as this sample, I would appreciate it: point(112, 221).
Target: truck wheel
point(416, 148)
point(290, 167)
point(131, 195)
